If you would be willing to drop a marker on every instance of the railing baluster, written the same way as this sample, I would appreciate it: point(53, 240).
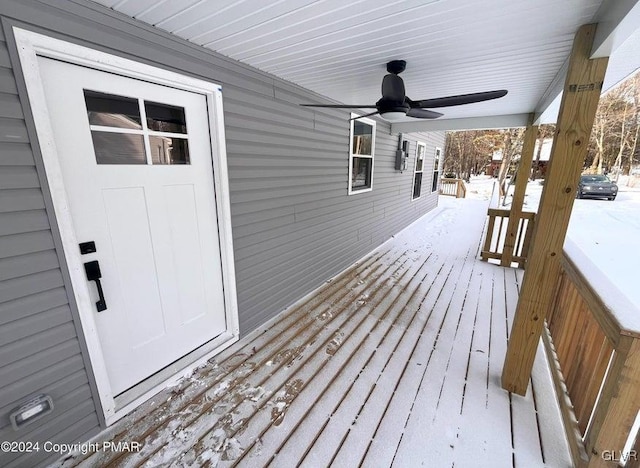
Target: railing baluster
point(520, 239)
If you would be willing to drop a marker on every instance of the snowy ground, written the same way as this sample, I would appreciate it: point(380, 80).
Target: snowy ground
point(606, 233)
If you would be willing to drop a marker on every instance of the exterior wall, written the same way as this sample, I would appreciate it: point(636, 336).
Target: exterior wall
point(39, 347)
point(294, 225)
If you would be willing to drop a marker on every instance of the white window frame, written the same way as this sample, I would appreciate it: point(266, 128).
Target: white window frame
point(351, 155)
point(436, 169)
point(419, 145)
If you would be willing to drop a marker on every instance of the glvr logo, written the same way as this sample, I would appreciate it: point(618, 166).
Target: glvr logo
point(619, 455)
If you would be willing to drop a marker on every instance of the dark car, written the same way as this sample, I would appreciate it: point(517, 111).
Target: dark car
point(597, 186)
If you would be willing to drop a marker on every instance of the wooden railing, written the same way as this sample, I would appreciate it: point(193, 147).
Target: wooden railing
point(594, 353)
point(453, 188)
point(494, 243)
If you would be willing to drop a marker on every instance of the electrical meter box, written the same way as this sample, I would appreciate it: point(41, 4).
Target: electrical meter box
point(401, 160)
point(402, 157)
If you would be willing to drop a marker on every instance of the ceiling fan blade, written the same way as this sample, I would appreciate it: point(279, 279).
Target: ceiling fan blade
point(460, 99)
point(423, 114)
point(365, 115)
point(341, 106)
point(393, 88)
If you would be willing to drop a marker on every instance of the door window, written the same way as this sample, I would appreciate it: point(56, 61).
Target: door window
point(127, 130)
point(118, 148)
point(109, 110)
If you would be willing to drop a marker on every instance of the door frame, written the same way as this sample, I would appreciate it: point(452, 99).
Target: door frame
point(30, 46)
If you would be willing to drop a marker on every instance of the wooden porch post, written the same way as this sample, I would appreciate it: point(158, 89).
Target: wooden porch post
point(522, 177)
point(579, 102)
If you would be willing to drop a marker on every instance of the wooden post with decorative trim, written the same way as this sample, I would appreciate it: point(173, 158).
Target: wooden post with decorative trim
point(577, 110)
point(522, 177)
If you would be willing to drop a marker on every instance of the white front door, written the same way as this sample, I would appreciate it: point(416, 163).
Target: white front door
point(135, 159)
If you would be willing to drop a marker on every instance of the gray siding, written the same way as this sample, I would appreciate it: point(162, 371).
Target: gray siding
point(39, 347)
point(294, 226)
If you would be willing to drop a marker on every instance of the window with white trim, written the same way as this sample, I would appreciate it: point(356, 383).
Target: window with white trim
point(361, 149)
point(421, 150)
point(436, 170)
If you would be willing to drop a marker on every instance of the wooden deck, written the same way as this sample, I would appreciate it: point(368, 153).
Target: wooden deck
point(395, 362)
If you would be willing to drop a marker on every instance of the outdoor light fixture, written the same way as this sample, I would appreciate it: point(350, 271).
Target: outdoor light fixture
point(34, 409)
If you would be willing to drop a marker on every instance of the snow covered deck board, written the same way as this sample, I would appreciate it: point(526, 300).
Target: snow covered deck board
point(395, 362)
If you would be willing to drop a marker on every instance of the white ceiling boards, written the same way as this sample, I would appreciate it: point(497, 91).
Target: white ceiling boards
point(339, 49)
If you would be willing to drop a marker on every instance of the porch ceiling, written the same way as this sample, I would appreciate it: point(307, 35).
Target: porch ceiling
point(339, 49)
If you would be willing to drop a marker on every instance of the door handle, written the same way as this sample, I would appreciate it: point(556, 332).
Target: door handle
point(92, 269)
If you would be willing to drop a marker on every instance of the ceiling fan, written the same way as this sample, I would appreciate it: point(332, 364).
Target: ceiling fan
point(395, 105)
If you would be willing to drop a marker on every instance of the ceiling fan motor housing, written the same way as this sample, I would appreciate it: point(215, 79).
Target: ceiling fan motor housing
point(393, 93)
point(391, 105)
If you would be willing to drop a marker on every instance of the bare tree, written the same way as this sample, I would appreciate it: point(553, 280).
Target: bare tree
point(467, 152)
point(633, 146)
point(512, 146)
point(544, 132)
point(614, 136)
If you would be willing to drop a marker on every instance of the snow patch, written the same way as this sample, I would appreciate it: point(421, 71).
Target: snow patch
point(626, 312)
point(335, 343)
point(283, 399)
point(209, 456)
point(221, 388)
point(253, 393)
point(231, 449)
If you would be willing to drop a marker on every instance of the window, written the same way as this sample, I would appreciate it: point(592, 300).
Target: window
point(361, 148)
point(132, 131)
point(436, 170)
point(421, 150)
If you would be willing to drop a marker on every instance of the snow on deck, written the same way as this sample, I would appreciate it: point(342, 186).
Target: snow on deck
point(394, 362)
